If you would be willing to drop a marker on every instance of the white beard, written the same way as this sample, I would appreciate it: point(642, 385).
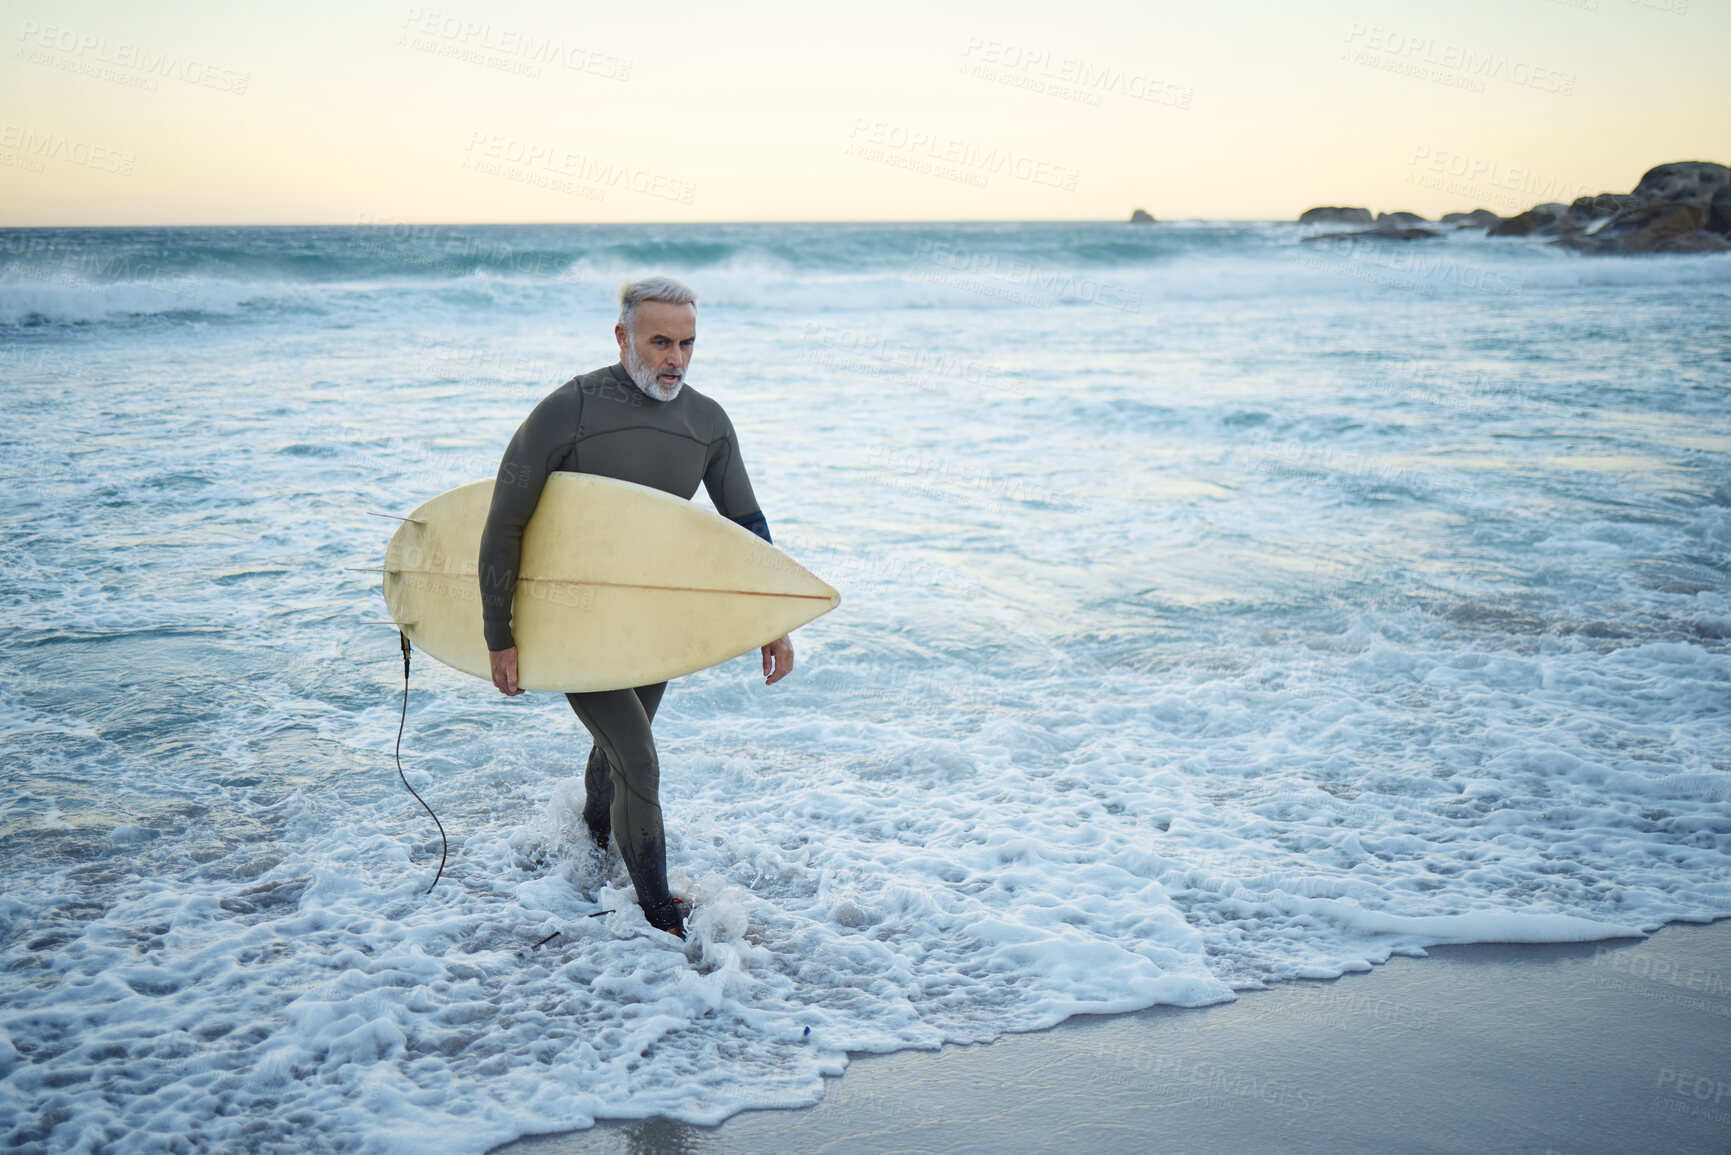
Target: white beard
point(645, 378)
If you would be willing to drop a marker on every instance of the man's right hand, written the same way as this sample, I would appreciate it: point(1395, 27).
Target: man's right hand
point(505, 671)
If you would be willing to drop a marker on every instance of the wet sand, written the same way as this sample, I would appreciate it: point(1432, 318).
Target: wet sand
point(1607, 1047)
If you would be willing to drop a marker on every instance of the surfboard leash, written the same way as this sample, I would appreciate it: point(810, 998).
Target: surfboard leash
point(444, 843)
point(557, 933)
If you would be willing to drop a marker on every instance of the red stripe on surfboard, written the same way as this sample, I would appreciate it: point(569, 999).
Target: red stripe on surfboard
point(617, 585)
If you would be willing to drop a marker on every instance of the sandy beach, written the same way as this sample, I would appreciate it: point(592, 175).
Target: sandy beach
point(1565, 1049)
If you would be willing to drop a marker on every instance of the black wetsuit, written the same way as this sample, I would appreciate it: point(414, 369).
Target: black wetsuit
point(602, 423)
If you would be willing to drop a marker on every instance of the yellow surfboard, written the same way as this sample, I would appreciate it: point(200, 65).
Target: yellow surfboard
point(620, 585)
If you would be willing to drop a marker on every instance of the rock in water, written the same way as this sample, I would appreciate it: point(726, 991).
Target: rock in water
point(1584, 211)
point(1477, 219)
point(1141, 217)
point(1719, 212)
point(1681, 207)
point(1699, 241)
point(1690, 182)
point(1400, 220)
point(1380, 233)
point(1531, 221)
point(1645, 230)
point(1334, 216)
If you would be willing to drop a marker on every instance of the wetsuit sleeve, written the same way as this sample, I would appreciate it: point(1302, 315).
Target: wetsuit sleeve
point(540, 444)
point(727, 484)
point(757, 524)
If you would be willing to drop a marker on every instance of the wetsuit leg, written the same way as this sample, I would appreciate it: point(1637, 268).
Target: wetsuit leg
point(618, 720)
point(650, 696)
point(598, 776)
point(597, 796)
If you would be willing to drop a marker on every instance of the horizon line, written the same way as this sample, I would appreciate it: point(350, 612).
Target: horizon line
point(605, 224)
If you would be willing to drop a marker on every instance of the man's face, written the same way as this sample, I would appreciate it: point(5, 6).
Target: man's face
point(658, 349)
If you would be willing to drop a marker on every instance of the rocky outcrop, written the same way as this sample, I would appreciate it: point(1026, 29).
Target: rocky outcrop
point(1646, 220)
point(1699, 241)
point(1380, 233)
point(1477, 219)
point(1689, 182)
point(1584, 212)
point(1141, 217)
point(1644, 229)
point(1719, 212)
point(1531, 221)
point(1334, 216)
point(1681, 207)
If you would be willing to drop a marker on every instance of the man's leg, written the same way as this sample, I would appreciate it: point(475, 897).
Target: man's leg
point(619, 723)
point(598, 776)
point(597, 793)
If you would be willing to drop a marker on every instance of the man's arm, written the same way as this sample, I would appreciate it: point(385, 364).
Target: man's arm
point(725, 480)
point(730, 490)
point(540, 444)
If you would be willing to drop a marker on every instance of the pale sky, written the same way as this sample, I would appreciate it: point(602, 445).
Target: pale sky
point(261, 112)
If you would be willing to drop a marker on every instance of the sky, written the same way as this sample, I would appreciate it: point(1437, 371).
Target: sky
point(321, 112)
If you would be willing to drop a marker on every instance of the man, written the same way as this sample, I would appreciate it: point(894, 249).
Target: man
point(636, 421)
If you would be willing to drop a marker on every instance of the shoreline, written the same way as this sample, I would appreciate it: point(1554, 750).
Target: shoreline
point(1609, 1046)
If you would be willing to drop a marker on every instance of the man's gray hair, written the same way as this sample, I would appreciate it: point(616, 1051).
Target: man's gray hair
point(657, 288)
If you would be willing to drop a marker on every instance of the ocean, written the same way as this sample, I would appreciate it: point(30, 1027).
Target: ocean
point(1217, 610)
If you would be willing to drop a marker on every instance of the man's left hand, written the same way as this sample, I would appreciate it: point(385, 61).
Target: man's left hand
point(777, 660)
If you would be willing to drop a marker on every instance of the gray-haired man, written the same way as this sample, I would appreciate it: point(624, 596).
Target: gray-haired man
point(636, 421)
